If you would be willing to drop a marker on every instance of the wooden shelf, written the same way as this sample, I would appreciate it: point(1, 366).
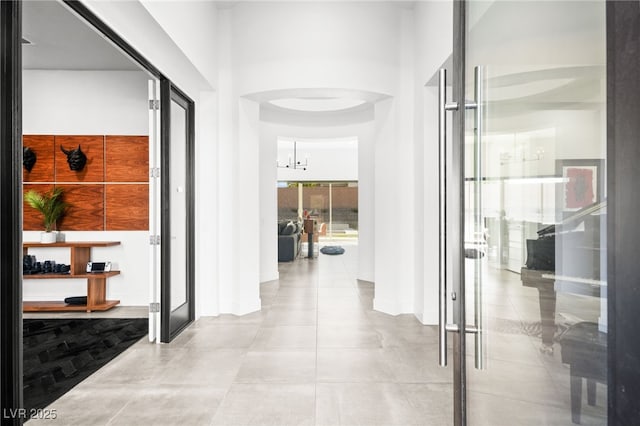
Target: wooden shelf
point(72, 244)
point(96, 283)
point(67, 276)
point(61, 306)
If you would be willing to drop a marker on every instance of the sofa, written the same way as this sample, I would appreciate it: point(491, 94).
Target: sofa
point(289, 240)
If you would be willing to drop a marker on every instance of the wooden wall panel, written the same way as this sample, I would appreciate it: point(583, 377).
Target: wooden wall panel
point(127, 207)
point(92, 146)
point(127, 158)
point(94, 205)
point(32, 219)
point(86, 212)
point(43, 170)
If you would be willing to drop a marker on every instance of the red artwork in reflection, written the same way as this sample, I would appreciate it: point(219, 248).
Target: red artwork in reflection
point(579, 188)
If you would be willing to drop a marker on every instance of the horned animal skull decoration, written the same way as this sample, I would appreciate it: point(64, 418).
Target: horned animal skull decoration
point(28, 158)
point(75, 158)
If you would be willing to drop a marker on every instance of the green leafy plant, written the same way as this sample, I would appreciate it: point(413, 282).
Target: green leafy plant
point(49, 204)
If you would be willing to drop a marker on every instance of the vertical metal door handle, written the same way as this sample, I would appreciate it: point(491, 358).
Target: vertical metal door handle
point(442, 217)
point(443, 107)
point(479, 221)
point(478, 327)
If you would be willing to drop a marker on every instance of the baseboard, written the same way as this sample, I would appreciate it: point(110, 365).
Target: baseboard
point(240, 308)
point(428, 317)
point(270, 277)
point(366, 277)
point(392, 307)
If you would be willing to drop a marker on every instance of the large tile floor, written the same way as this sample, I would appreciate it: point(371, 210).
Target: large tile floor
point(317, 354)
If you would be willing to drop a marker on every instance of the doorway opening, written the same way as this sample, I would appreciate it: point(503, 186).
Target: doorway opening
point(318, 189)
point(87, 129)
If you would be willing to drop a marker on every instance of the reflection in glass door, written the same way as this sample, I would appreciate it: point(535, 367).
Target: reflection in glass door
point(531, 155)
point(177, 213)
point(534, 213)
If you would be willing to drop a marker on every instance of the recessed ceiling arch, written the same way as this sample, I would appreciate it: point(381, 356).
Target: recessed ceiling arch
point(317, 106)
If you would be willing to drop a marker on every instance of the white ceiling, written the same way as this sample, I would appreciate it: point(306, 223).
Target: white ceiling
point(62, 41)
point(317, 104)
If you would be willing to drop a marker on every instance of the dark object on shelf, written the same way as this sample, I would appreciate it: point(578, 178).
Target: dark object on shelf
point(76, 158)
point(61, 268)
point(60, 353)
point(98, 267)
point(30, 266)
point(584, 348)
point(47, 266)
point(332, 250)
point(28, 158)
point(76, 300)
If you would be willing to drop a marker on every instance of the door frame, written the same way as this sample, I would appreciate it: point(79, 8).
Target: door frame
point(456, 231)
point(623, 233)
point(11, 366)
point(172, 325)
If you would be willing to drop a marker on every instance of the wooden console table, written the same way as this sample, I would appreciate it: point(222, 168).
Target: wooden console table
point(96, 282)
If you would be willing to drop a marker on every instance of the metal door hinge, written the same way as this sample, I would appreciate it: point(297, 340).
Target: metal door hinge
point(154, 240)
point(154, 307)
point(154, 104)
point(154, 172)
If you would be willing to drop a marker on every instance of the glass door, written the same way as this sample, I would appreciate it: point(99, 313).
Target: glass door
point(154, 210)
point(532, 160)
point(177, 306)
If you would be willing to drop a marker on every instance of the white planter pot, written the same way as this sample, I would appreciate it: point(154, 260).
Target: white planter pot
point(48, 237)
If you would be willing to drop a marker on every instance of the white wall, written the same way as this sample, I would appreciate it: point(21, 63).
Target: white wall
point(391, 206)
point(366, 204)
point(85, 102)
point(189, 69)
point(246, 208)
point(314, 44)
point(328, 160)
point(433, 45)
point(199, 14)
point(268, 204)
point(206, 213)
point(90, 103)
point(133, 22)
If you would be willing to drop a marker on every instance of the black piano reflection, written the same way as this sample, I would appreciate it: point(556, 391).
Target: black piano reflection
point(566, 257)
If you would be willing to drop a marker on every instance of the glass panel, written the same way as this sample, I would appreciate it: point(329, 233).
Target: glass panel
point(178, 205)
point(334, 206)
point(288, 201)
point(536, 282)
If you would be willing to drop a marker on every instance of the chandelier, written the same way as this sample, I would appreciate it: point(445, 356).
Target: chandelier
point(294, 163)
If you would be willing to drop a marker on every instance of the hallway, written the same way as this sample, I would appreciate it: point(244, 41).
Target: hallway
point(316, 354)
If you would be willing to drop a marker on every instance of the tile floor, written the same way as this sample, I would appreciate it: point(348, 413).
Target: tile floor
point(317, 354)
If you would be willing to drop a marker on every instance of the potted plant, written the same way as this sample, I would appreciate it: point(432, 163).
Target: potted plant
point(52, 208)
